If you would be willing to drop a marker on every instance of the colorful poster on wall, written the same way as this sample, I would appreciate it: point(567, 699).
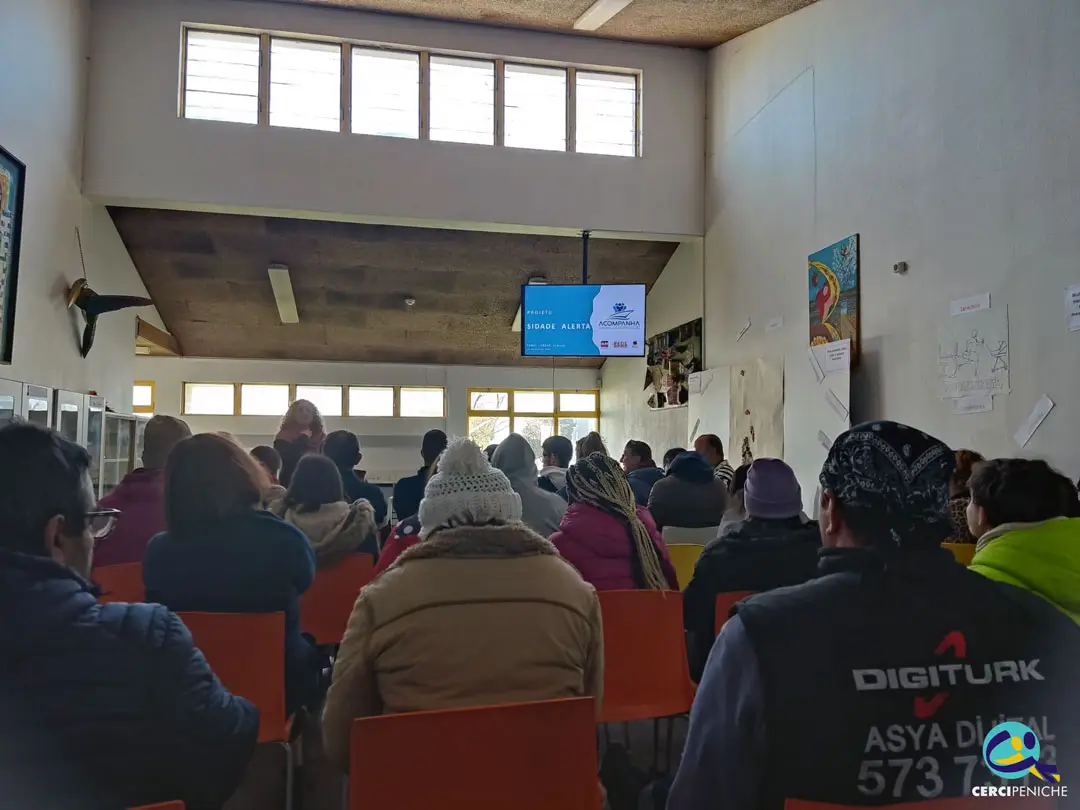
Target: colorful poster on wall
point(12, 182)
point(834, 294)
point(757, 411)
point(672, 357)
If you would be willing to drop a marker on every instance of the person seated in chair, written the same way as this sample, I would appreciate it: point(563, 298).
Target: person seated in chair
point(771, 548)
point(689, 496)
point(101, 705)
point(482, 611)
point(343, 448)
point(893, 653)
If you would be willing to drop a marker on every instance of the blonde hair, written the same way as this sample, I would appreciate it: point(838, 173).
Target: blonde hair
point(290, 418)
point(599, 481)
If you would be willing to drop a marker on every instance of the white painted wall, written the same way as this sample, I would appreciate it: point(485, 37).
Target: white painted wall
point(672, 301)
point(391, 444)
point(43, 52)
point(944, 133)
point(140, 153)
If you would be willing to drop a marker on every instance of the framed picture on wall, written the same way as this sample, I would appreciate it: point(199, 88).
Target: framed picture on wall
point(834, 294)
point(12, 188)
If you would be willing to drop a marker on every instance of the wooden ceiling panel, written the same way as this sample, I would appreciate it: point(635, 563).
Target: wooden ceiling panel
point(690, 23)
point(207, 275)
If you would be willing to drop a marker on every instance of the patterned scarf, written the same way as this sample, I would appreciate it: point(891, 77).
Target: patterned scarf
point(898, 477)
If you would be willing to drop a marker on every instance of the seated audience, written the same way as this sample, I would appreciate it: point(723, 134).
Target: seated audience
point(590, 443)
point(690, 495)
point(101, 705)
point(822, 657)
point(409, 491)
point(315, 504)
point(221, 554)
point(960, 496)
point(489, 451)
point(736, 509)
point(301, 432)
point(557, 452)
point(641, 470)
point(343, 448)
point(540, 511)
point(270, 460)
point(483, 611)
point(403, 536)
point(772, 547)
point(611, 540)
point(671, 455)
point(712, 449)
point(1019, 510)
point(140, 497)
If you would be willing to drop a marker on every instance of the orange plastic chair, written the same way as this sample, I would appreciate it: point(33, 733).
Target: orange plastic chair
point(247, 653)
point(161, 806)
point(526, 756)
point(645, 670)
point(965, 803)
point(325, 607)
point(724, 603)
point(120, 583)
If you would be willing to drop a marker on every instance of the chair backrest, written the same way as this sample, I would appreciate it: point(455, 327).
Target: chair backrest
point(161, 806)
point(247, 652)
point(963, 552)
point(526, 756)
point(325, 607)
point(965, 803)
point(684, 557)
point(724, 603)
point(697, 537)
point(120, 583)
point(645, 670)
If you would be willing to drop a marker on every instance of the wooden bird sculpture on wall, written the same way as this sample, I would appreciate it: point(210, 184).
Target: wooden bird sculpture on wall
point(93, 304)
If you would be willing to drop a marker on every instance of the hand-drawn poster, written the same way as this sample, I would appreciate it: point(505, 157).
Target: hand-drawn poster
point(757, 411)
point(672, 357)
point(12, 181)
point(834, 294)
point(973, 354)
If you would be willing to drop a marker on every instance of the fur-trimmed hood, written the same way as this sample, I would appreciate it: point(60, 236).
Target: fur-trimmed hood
point(480, 542)
point(334, 528)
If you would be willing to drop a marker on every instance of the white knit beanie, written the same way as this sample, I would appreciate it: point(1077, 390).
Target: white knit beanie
point(466, 490)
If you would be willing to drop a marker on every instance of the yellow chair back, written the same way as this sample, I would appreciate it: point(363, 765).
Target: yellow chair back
point(963, 552)
point(684, 556)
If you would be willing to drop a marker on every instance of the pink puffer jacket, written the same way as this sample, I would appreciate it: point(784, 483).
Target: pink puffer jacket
point(599, 545)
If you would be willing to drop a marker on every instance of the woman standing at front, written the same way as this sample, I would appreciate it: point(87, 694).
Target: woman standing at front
point(220, 553)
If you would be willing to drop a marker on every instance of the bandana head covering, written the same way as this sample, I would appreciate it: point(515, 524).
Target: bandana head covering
point(897, 476)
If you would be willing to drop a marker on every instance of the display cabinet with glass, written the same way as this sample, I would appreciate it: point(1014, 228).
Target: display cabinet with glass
point(69, 418)
point(118, 450)
point(11, 394)
point(95, 432)
point(37, 405)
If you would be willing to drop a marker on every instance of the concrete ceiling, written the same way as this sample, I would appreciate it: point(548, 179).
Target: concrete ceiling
point(207, 274)
point(690, 23)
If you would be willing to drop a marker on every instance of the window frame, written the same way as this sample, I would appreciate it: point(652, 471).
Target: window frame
point(153, 396)
point(266, 66)
point(402, 388)
point(511, 412)
point(183, 397)
point(423, 86)
point(239, 409)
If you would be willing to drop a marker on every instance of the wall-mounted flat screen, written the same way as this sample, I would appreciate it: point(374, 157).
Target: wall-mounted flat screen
point(583, 320)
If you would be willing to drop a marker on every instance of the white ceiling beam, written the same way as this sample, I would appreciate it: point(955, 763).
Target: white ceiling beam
point(599, 13)
point(281, 284)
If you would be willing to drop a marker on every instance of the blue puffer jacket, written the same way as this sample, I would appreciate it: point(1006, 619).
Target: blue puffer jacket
point(642, 480)
point(108, 706)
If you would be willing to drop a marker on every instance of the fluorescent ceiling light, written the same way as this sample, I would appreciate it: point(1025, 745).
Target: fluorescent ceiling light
point(599, 13)
point(281, 284)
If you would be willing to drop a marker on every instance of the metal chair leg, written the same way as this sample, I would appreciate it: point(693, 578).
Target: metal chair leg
point(656, 746)
point(288, 775)
point(667, 749)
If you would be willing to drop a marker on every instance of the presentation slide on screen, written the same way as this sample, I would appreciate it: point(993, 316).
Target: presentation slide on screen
point(583, 320)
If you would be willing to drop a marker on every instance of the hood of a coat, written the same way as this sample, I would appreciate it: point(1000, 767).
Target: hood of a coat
point(1041, 557)
point(344, 526)
point(691, 467)
point(650, 475)
point(516, 459)
point(556, 475)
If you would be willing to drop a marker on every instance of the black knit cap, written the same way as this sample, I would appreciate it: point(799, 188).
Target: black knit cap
point(897, 477)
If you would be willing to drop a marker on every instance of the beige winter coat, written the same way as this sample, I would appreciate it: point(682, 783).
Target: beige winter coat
point(470, 616)
point(334, 529)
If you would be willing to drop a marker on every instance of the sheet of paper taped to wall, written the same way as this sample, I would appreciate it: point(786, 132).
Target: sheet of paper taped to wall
point(973, 354)
point(1035, 418)
point(980, 403)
